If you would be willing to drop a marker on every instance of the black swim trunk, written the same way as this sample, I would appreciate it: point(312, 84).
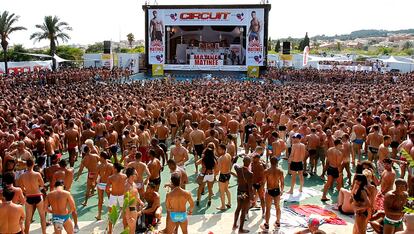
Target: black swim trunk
point(173, 125)
point(257, 186)
point(156, 181)
point(223, 178)
point(198, 149)
point(274, 192)
point(113, 149)
point(282, 128)
point(394, 144)
point(373, 150)
point(34, 200)
point(296, 166)
point(162, 141)
point(333, 171)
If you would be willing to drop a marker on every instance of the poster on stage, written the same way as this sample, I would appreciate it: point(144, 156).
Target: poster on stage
point(157, 70)
point(235, 35)
point(253, 71)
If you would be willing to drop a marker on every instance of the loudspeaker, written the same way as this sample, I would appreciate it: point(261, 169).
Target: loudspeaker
point(286, 47)
point(107, 47)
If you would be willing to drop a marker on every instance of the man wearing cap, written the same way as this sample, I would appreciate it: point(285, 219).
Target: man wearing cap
point(297, 156)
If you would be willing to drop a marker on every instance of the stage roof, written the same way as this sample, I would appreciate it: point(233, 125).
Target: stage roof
point(224, 6)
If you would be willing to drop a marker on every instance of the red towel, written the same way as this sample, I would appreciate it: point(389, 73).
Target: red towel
point(327, 215)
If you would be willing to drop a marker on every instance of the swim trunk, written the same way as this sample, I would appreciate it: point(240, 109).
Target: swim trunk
point(321, 153)
point(257, 186)
point(178, 217)
point(59, 220)
point(394, 144)
point(208, 178)
point(373, 150)
point(34, 199)
point(392, 222)
point(270, 147)
point(358, 141)
point(144, 152)
point(333, 171)
point(101, 186)
point(92, 175)
point(296, 166)
point(274, 192)
point(223, 178)
point(198, 149)
point(114, 200)
point(156, 181)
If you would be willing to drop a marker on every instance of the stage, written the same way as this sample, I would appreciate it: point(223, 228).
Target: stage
point(228, 38)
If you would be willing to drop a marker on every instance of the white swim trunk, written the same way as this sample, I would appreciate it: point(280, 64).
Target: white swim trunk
point(101, 186)
point(116, 200)
point(208, 178)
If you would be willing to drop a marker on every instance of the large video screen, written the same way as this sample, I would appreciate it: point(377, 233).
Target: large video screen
point(211, 38)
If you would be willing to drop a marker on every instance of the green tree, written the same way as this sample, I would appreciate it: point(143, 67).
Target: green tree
point(269, 44)
point(407, 45)
point(18, 54)
point(277, 46)
point(338, 46)
point(303, 43)
point(69, 53)
point(95, 48)
point(7, 27)
point(130, 38)
point(52, 29)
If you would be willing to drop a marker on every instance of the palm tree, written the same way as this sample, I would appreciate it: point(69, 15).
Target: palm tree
point(130, 38)
point(52, 29)
point(6, 28)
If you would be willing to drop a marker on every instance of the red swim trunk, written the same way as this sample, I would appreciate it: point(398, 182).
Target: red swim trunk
point(144, 152)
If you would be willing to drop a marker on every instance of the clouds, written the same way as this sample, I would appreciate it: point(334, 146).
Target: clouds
point(94, 20)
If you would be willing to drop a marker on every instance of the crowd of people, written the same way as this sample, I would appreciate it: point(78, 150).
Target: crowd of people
point(126, 134)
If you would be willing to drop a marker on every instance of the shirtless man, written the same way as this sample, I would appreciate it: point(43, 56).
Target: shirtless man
point(156, 27)
point(72, 142)
point(12, 215)
point(21, 155)
point(115, 188)
point(387, 181)
point(90, 161)
point(359, 130)
point(61, 205)
point(176, 202)
point(258, 167)
point(296, 158)
point(374, 140)
point(346, 157)
point(162, 132)
point(383, 153)
point(174, 168)
point(134, 210)
point(395, 133)
point(233, 128)
point(244, 193)
point(105, 169)
point(231, 148)
point(141, 168)
point(197, 138)
point(275, 185)
point(173, 123)
point(153, 210)
point(179, 153)
point(154, 168)
point(254, 29)
point(112, 138)
point(49, 147)
point(8, 181)
point(333, 162)
point(224, 163)
point(128, 141)
point(312, 142)
point(394, 203)
point(259, 117)
point(278, 146)
point(144, 139)
point(31, 183)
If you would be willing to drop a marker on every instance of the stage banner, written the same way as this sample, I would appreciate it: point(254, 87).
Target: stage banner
point(253, 71)
point(28, 66)
point(249, 23)
point(107, 60)
point(157, 70)
point(286, 57)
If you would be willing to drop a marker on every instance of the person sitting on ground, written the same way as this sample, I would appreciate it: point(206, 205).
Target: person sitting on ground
point(313, 227)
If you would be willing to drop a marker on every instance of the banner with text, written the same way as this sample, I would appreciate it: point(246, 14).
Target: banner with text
point(251, 20)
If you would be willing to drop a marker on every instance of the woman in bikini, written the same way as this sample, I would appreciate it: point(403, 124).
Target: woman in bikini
point(361, 202)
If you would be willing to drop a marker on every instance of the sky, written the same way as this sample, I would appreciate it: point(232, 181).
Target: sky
point(99, 20)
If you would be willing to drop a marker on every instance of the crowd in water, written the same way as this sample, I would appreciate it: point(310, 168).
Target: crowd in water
point(354, 130)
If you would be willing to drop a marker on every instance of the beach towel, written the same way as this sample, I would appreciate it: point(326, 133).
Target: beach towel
point(327, 215)
point(297, 196)
point(289, 218)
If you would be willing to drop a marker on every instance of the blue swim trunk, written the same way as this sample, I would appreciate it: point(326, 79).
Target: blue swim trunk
point(178, 217)
point(358, 141)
